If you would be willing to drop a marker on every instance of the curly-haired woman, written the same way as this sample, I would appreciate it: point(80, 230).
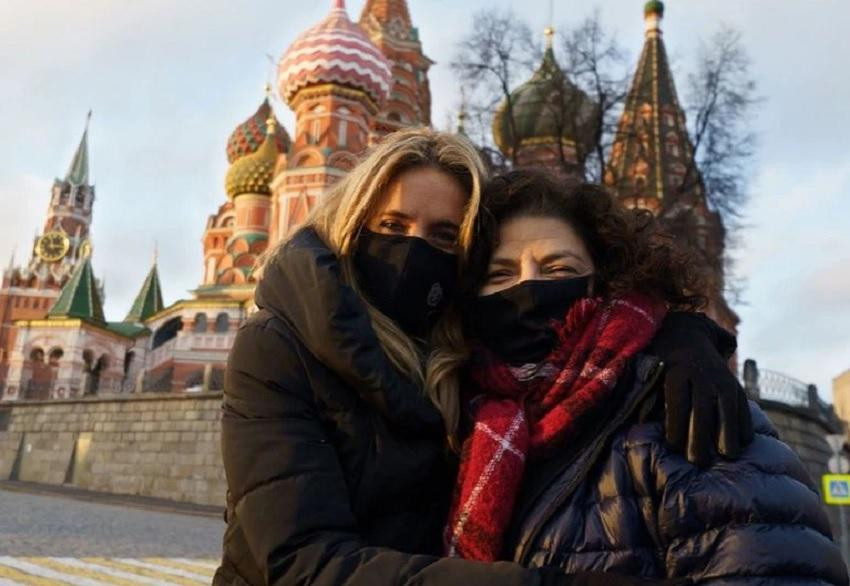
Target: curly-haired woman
point(564, 463)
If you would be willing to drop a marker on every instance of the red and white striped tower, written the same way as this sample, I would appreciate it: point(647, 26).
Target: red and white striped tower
point(336, 80)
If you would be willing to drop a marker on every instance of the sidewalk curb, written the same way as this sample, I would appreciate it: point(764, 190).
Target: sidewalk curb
point(119, 500)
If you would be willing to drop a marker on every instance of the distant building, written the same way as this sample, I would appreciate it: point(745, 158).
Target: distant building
point(841, 396)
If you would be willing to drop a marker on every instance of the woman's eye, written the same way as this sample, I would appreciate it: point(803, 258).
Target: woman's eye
point(445, 239)
point(392, 226)
point(493, 276)
point(561, 270)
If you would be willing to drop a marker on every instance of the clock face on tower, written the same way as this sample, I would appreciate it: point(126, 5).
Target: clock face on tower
point(52, 246)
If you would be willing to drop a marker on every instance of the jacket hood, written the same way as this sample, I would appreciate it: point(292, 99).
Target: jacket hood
point(303, 286)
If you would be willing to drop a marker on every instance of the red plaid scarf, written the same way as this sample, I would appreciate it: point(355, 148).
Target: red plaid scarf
point(522, 411)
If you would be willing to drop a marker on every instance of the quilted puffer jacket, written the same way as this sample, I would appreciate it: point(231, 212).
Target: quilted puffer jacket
point(618, 499)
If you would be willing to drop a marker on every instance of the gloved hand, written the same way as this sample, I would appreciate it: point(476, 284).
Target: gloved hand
point(705, 407)
point(555, 577)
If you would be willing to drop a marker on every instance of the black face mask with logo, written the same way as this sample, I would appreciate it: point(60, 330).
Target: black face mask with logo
point(516, 324)
point(406, 278)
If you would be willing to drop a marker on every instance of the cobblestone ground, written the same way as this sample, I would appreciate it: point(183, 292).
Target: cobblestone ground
point(54, 540)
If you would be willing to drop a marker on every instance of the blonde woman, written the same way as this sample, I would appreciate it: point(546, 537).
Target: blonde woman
point(334, 451)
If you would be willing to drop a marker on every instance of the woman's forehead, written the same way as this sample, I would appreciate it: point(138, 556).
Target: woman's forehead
point(427, 192)
point(534, 232)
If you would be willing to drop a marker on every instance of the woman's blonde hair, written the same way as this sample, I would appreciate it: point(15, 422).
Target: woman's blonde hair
point(339, 216)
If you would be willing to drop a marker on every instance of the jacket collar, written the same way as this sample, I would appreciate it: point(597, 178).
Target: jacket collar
point(303, 286)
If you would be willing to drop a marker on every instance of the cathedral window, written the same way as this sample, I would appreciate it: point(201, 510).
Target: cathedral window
point(222, 323)
point(166, 332)
point(55, 356)
point(343, 133)
point(315, 131)
point(200, 323)
point(128, 361)
point(37, 355)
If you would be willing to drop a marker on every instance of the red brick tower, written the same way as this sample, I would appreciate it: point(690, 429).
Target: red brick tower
point(652, 163)
point(389, 25)
point(239, 232)
point(28, 292)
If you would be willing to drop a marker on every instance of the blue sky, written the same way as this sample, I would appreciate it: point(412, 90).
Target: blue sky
point(168, 80)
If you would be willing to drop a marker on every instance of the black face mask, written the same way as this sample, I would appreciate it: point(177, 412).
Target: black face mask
point(516, 323)
point(406, 278)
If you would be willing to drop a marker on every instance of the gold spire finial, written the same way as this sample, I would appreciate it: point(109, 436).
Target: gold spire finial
point(267, 89)
point(270, 124)
point(155, 252)
point(549, 33)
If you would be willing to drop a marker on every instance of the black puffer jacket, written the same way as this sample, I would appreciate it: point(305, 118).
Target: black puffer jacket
point(334, 462)
point(619, 500)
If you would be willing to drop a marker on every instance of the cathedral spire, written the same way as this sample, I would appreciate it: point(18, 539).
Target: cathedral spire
point(653, 12)
point(149, 299)
point(386, 12)
point(78, 172)
point(652, 151)
point(80, 297)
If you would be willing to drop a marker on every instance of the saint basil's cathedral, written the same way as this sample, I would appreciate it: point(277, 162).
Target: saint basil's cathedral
point(349, 84)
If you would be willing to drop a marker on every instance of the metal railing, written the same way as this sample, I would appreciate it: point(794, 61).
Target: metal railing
point(776, 386)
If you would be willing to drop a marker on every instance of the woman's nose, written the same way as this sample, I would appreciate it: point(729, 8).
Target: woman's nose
point(529, 270)
point(417, 230)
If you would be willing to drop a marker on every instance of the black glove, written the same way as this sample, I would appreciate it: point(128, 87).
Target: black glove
point(705, 407)
point(555, 577)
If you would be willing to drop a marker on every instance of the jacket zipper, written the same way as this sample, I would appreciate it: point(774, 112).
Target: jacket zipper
point(595, 451)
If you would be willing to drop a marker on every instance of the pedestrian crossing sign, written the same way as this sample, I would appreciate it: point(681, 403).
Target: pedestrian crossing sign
point(836, 489)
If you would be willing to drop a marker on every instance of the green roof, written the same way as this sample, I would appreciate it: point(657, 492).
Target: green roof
point(148, 301)
point(78, 172)
point(79, 297)
point(544, 105)
point(126, 329)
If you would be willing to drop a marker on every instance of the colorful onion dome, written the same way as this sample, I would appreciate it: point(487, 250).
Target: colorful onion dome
point(335, 51)
point(253, 173)
point(248, 136)
point(543, 105)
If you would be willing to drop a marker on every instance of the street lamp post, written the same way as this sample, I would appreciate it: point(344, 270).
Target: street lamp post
point(839, 464)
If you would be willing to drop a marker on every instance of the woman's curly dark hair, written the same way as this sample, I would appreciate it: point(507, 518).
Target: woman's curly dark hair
point(628, 247)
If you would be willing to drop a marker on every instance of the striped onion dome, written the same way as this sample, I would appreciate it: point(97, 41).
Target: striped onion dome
point(248, 136)
point(335, 51)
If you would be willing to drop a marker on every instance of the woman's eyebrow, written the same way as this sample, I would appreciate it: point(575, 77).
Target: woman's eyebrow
point(504, 261)
point(397, 214)
point(560, 254)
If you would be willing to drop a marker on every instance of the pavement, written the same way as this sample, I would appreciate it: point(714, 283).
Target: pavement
point(88, 539)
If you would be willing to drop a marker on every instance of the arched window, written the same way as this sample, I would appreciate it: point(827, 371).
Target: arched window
point(167, 331)
point(343, 132)
point(128, 361)
point(315, 131)
point(222, 322)
point(55, 356)
point(37, 355)
point(200, 323)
